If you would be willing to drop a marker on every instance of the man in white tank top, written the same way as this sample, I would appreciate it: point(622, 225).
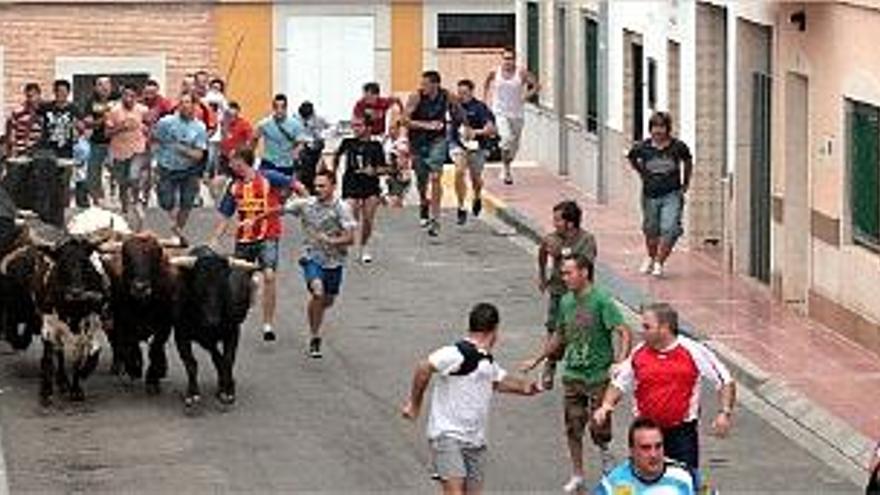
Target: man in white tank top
point(506, 90)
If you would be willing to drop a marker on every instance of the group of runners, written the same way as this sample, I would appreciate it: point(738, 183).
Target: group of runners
point(663, 373)
point(200, 140)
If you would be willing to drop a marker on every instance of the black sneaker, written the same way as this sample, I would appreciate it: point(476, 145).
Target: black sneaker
point(433, 228)
point(424, 214)
point(268, 335)
point(462, 216)
point(477, 207)
point(315, 348)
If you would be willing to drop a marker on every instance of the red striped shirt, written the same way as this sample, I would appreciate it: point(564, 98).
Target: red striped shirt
point(25, 129)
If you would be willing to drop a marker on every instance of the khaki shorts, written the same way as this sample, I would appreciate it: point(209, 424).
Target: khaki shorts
point(581, 401)
point(509, 133)
point(456, 459)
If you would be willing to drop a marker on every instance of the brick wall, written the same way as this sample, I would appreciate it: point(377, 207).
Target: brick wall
point(34, 35)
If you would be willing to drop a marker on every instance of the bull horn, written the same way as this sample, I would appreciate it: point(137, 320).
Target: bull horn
point(170, 243)
point(27, 214)
point(183, 261)
point(243, 264)
point(110, 247)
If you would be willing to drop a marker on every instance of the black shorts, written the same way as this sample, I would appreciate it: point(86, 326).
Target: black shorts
point(360, 186)
point(682, 444)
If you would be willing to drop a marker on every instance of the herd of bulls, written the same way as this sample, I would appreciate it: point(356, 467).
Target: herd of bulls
point(79, 290)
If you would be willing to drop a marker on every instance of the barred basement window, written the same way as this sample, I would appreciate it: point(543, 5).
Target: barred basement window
point(476, 30)
point(84, 84)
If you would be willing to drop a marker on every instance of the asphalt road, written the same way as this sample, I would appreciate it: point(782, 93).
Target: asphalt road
point(332, 425)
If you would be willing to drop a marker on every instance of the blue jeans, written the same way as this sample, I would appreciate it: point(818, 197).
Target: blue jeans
point(661, 217)
point(177, 189)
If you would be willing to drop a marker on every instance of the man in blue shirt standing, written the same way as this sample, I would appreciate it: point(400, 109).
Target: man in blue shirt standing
point(283, 138)
point(647, 471)
point(181, 143)
point(468, 143)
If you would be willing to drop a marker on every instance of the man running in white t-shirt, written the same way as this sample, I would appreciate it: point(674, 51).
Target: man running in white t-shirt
point(506, 90)
point(468, 377)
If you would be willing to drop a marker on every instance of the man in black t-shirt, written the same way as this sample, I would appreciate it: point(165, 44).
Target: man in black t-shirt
point(364, 162)
point(658, 160)
point(53, 160)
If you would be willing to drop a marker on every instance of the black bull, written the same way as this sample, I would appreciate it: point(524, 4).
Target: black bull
point(215, 296)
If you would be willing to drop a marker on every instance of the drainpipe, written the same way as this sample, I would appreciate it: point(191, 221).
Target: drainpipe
point(602, 100)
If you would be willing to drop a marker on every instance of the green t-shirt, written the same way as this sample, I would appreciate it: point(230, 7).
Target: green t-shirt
point(583, 244)
point(585, 323)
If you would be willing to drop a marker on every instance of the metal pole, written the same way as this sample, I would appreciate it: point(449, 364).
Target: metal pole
point(602, 97)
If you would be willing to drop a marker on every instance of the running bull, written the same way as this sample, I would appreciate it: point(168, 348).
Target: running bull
point(214, 299)
point(143, 289)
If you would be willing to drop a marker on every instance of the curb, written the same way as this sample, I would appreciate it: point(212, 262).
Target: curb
point(854, 447)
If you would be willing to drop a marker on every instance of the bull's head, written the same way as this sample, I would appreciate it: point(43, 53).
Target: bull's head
point(76, 280)
point(141, 266)
point(218, 283)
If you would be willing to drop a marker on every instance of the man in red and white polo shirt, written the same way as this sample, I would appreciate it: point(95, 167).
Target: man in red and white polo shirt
point(664, 374)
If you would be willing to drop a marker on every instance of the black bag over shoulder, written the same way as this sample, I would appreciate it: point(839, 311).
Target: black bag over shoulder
point(472, 357)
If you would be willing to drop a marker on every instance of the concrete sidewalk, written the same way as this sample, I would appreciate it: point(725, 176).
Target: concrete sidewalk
point(801, 369)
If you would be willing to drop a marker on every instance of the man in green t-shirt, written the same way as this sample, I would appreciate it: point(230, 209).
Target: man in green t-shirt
point(567, 239)
point(587, 318)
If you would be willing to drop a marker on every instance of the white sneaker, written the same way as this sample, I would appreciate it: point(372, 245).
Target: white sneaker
point(647, 266)
point(658, 270)
point(366, 258)
point(575, 484)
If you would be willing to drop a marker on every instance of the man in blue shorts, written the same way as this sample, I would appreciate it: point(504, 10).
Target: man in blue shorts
point(329, 227)
point(426, 112)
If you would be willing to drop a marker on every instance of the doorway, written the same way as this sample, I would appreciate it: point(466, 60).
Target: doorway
point(796, 219)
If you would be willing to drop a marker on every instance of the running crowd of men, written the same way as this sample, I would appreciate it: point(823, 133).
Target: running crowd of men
point(176, 146)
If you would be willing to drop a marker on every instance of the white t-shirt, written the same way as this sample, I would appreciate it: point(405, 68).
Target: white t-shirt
point(460, 404)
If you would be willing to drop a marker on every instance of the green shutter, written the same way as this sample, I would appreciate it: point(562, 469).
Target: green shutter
point(533, 41)
point(591, 41)
point(864, 148)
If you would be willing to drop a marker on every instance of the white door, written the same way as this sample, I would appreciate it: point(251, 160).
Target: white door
point(329, 59)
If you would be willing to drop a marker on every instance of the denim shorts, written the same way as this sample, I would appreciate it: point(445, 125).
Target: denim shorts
point(264, 253)
point(177, 189)
point(429, 158)
point(475, 160)
point(331, 278)
point(661, 216)
point(98, 158)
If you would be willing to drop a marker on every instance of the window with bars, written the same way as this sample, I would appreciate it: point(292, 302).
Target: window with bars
point(476, 30)
point(863, 136)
